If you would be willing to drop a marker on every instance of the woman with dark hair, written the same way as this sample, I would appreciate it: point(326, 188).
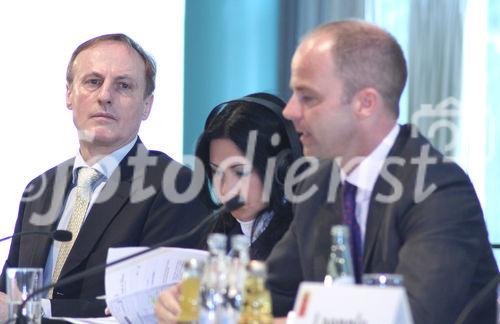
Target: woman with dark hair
point(241, 142)
point(246, 150)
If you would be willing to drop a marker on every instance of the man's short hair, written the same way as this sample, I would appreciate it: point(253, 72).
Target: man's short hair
point(149, 62)
point(367, 56)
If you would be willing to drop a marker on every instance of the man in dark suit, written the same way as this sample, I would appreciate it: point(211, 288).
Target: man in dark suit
point(115, 192)
point(415, 212)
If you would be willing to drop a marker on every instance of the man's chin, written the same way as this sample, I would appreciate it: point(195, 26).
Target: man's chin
point(314, 152)
point(96, 136)
point(309, 151)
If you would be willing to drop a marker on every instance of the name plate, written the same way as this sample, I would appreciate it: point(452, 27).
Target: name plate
point(351, 304)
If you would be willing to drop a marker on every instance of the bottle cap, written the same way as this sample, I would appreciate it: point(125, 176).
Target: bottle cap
point(193, 264)
point(239, 242)
point(217, 242)
point(257, 268)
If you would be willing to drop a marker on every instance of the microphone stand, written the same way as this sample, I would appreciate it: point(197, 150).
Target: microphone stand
point(23, 233)
point(231, 205)
point(57, 234)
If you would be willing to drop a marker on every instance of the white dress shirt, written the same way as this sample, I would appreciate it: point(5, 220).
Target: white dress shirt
point(365, 175)
point(106, 166)
point(246, 227)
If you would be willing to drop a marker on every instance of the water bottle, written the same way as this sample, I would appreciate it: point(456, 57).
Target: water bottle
point(189, 298)
point(340, 269)
point(257, 307)
point(213, 281)
point(236, 277)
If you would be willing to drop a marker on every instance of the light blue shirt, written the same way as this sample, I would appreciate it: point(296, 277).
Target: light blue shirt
point(106, 166)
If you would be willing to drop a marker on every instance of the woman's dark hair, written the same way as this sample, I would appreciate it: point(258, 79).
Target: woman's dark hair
point(234, 121)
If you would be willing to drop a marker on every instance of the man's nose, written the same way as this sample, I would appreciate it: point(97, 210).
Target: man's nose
point(105, 94)
point(292, 109)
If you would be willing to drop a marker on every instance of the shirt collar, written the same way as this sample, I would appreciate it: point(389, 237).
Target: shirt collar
point(367, 172)
point(106, 165)
point(246, 226)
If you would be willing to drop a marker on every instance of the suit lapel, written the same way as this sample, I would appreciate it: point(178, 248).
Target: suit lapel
point(376, 214)
point(329, 214)
point(117, 188)
point(379, 209)
point(43, 215)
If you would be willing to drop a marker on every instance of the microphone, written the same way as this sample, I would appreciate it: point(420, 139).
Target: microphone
point(58, 235)
point(229, 206)
point(62, 235)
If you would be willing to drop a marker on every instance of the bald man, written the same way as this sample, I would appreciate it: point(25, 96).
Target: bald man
point(415, 214)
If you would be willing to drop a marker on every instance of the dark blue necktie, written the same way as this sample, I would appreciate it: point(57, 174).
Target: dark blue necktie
point(349, 196)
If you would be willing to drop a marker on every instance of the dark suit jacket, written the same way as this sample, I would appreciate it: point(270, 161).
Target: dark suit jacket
point(263, 245)
point(137, 213)
point(438, 242)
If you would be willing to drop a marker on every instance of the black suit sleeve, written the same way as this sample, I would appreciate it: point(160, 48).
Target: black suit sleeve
point(444, 244)
point(13, 258)
point(168, 219)
point(77, 308)
point(285, 272)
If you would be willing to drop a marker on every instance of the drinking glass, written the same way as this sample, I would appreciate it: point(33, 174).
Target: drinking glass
point(21, 282)
point(383, 279)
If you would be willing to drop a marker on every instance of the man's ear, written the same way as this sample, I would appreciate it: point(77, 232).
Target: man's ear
point(69, 97)
point(366, 101)
point(148, 103)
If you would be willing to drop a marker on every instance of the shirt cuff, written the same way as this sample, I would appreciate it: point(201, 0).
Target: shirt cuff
point(46, 307)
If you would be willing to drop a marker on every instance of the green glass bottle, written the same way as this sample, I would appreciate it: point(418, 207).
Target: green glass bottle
point(340, 268)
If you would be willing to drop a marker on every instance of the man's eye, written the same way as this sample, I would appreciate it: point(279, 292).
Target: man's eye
point(306, 99)
point(93, 82)
point(124, 85)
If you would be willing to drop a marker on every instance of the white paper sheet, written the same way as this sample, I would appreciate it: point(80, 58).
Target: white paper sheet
point(93, 320)
point(133, 286)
